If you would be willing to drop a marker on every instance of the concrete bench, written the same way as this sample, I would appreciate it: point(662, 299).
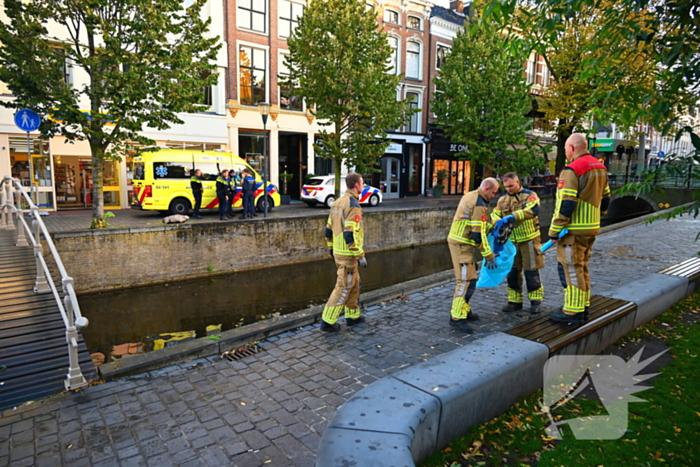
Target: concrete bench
point(405, 417)
point(690, 269)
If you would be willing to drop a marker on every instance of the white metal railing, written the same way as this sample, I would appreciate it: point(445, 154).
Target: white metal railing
point(11, 190)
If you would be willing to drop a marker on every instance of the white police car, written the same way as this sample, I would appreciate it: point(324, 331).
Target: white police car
point(322, 190)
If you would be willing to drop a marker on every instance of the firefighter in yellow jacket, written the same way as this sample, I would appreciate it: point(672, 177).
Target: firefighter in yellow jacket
point(582, 199)
point(470, 227)
point(522, 206)
point(345, 238)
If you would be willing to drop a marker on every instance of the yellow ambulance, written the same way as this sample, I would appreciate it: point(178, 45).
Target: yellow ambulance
point(161, 180)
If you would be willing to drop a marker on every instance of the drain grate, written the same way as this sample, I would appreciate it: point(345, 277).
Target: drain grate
point(241, 352)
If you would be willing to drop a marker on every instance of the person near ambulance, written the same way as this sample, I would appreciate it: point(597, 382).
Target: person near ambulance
point(582, 198)
point(345, 238)
point(469, 230)
point(197, 192)
point(223, 187)
point(234, 180)
point(521, 206)
point(248, 189)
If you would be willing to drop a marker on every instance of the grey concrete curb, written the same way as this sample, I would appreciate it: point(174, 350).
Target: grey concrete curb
point(263, 329)
point(472, 384)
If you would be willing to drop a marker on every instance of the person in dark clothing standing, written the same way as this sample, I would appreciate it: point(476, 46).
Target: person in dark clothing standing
point(197, 191)
point(234, 180)
point(223, 185)
point(248, 185)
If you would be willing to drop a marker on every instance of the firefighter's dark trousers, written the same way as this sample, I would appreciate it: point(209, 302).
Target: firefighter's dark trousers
point(345, 295)
point(465, 275)
point(573, 254)
point(528, 259)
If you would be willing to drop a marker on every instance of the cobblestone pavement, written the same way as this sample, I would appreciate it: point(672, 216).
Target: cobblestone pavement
point(271, 408)
point(66, 221)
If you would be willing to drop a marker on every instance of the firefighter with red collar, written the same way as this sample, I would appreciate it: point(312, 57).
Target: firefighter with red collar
point(521, 206)
point(583, 196)
point(345, 238)
point(469, 229)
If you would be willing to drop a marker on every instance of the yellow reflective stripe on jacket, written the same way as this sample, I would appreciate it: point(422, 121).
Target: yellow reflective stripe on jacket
point(585, 216)
point(485, 245)
point(460, 227)
point(340, 247)
point(525, 231)
point(496, 215)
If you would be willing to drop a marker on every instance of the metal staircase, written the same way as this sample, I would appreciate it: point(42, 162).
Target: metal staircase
point(42, 352)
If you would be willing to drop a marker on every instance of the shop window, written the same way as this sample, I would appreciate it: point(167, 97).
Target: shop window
point(110, 173)
point(251, 146)
point(19, 161)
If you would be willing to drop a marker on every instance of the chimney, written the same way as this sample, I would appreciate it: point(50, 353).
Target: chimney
point(457, 5)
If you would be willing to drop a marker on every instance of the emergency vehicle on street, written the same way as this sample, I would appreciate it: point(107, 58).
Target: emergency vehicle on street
point(322, 190)
point(161, 180)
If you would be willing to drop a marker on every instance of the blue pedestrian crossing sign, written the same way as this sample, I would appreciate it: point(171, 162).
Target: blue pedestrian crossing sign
point(660, 154)
point(27, 120)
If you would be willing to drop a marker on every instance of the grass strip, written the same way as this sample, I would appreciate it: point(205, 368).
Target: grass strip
point(662, 431)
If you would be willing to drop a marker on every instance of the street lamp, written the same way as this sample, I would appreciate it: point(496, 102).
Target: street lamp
point(264, 109)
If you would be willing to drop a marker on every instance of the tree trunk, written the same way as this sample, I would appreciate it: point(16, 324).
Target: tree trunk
point(98, 203)
point(563, 133)
point(338, 159)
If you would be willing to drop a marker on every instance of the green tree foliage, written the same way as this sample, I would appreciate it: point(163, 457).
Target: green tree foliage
point(144, 62)
point(482, 100)
point(339, 62)
point(569, 43)
point(669, 31)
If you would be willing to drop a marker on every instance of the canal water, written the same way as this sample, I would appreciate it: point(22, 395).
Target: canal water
point(143, 314)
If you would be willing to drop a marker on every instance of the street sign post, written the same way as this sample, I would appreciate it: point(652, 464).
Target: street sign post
point(28, 120)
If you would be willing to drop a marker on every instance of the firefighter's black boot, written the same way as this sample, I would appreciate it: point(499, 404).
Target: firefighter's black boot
point(561, 317)
point(353, 321)
point(461, 325)
point(325, 327)
point(511, 307)
point(472, 316)
point(535, 307)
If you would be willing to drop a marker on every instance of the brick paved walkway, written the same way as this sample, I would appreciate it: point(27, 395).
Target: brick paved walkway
point(270, 409)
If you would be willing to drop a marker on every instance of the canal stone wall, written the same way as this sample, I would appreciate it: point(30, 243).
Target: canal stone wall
point(109, 259)
point(118, 258)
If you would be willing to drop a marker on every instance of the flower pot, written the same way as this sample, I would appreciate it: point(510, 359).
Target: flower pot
point(286, 199)
point(437, 191)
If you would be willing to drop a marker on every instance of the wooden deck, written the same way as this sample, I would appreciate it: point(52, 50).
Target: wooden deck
point(33, 349)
